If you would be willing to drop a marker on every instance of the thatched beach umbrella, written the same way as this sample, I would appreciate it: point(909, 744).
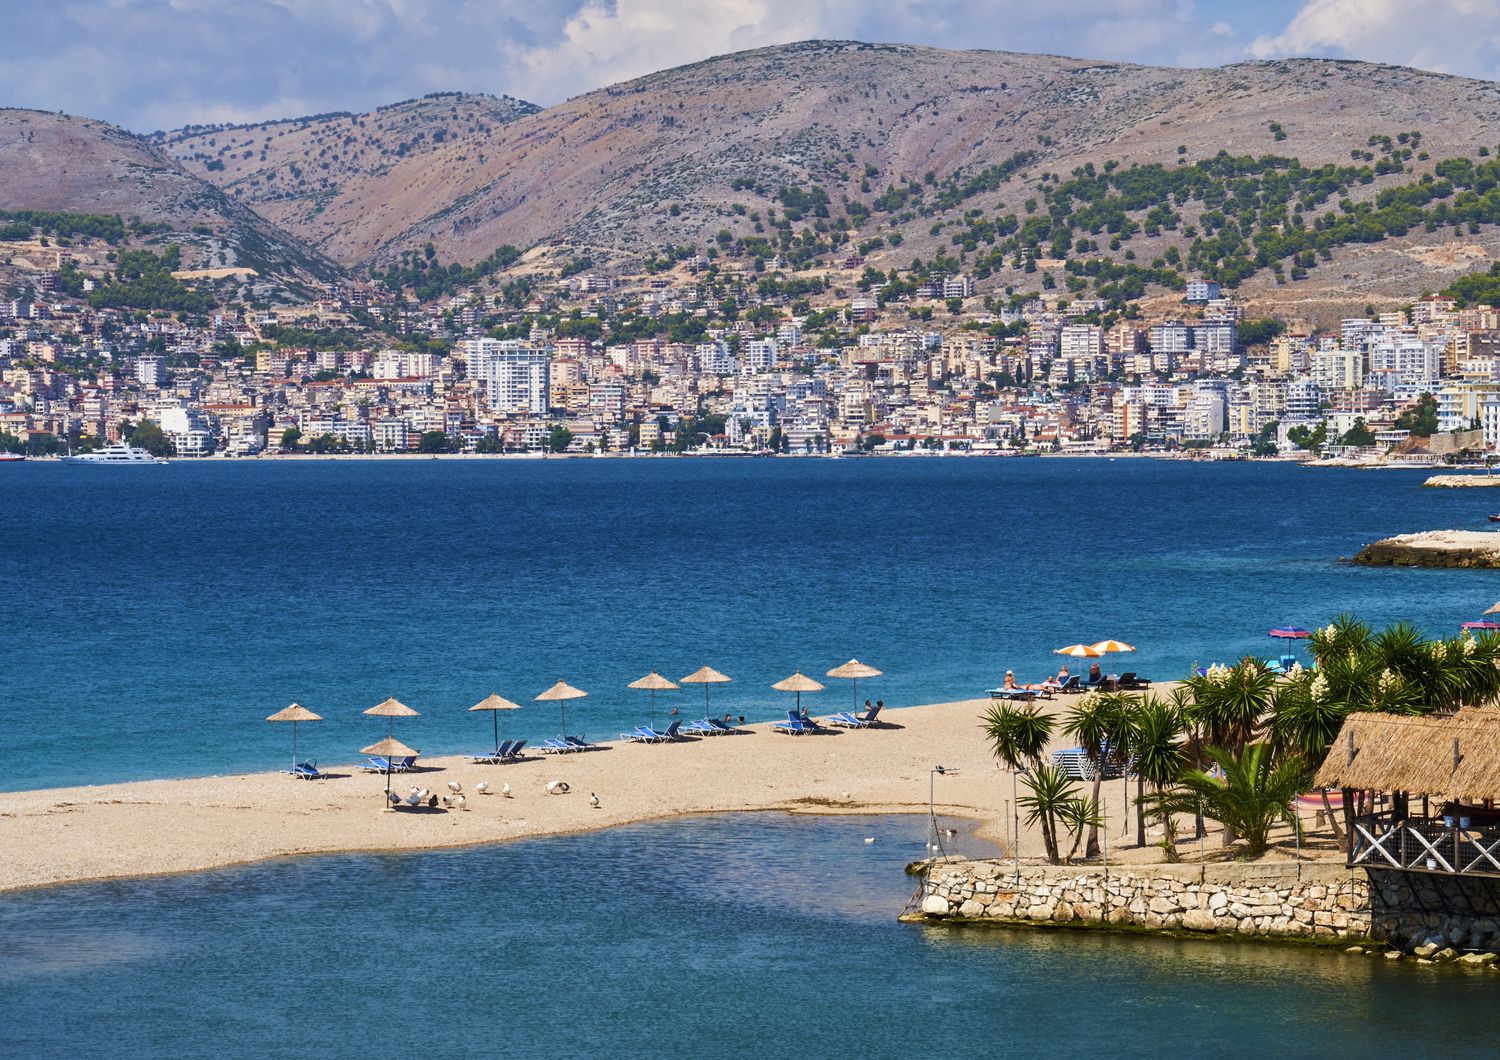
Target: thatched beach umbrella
point(706, 676)
point(390, 749)
point(295, 713)
point(798, 683)
point(652, 682)
point(494, 704)
point(392, 709)
point(560, 693)
point(853, 670)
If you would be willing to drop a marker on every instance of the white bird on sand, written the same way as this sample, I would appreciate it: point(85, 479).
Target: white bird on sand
point(483, 787)
point(460, 802)
point(455, 787)
point(593, 800)
point(557, 787)
point(414, 799)
point(505, 790)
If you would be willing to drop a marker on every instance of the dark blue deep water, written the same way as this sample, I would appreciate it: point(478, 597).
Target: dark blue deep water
point(754, 936)
point(153, 616)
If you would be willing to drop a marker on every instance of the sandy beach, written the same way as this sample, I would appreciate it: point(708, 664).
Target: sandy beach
point(68, 835)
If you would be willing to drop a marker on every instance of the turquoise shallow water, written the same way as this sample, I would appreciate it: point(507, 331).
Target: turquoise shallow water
point(757, 935)
point(155, 615)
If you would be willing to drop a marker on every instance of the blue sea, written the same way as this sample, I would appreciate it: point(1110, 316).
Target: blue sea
point(739, 936)
point(155, 616)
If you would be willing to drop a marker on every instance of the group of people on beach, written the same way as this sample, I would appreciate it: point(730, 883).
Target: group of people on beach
point(1051, 684)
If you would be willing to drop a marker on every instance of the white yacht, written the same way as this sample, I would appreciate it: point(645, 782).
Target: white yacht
point(119, 453)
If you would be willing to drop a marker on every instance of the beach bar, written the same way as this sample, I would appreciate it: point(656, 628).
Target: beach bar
point(1420, 798)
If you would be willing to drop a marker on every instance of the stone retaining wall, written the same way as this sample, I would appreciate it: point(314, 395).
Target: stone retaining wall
point(1247, 900)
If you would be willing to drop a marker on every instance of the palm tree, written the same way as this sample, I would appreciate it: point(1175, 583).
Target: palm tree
point(1097, 722)
point(1018, 737)
point(1159, 757)
point(1054, 805)
point(1255, 792)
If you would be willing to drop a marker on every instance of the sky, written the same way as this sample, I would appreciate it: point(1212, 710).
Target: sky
point(160, 64)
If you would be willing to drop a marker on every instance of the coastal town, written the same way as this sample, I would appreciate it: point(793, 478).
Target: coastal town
point(698, 353)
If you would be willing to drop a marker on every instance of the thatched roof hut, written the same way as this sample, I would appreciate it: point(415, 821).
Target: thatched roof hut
point(1454, 758)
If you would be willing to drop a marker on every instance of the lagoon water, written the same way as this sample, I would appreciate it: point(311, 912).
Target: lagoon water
point(155, 615)
point(755, 935)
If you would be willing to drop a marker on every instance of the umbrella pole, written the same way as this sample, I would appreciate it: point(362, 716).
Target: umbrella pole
point(294, 748)
point(495, 717)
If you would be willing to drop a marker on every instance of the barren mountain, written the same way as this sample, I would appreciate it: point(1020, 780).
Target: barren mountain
point(52, 162)
point(658, 160)
point(291, 171)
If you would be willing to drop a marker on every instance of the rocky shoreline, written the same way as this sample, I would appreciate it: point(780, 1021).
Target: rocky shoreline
point(1462, 481)
point(1479, 549)
point(1311, 902)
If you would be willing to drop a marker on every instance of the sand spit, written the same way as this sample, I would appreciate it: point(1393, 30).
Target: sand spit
point(64, 835)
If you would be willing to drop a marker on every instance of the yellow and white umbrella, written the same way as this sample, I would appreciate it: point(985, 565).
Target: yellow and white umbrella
point(1109, 647)
point(1079, 651)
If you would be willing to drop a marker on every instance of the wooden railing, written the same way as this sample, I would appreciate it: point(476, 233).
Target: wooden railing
point(1425, 844)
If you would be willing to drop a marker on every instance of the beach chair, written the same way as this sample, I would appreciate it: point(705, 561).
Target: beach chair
point(306, 771)
point(1132, 680)
point(406, 762)
point(1073, 762)
point(490, 758)
point(556, 747)
point(514, 754)
point(794, 724)
point(1072, 686)
point(701, 727)
point(723, 726)
point(673, 731)
point(376, 765)
point(643, 734)
point(845, 720)
point(578, 743)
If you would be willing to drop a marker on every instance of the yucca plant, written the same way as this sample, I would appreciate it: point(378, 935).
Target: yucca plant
point(1052, 803)
point(1017, 735)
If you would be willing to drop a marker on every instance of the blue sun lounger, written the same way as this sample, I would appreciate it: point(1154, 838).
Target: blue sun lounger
point(642, 734)
point(514, 754)
point(305, 771)
point(795, 724)
point(722, 726)
point(701, 727)
point(490, 758)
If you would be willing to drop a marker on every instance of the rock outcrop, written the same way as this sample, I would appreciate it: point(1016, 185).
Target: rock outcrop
point(1434, 548)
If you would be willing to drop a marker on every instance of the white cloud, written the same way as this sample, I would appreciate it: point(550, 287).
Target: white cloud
point(1449, 36)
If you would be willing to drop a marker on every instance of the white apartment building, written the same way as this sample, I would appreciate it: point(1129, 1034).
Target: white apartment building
point(1339, 369)
point(151, 371)
point(515, 376)
point(716, 358)
point(758, 355)
point(1405, 359)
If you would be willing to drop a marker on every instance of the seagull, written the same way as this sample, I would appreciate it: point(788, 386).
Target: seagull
point(455, 787)
point(460, 802)
point(483, 787)
point(395, 799)
point(593, 800)
point(505, 790)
